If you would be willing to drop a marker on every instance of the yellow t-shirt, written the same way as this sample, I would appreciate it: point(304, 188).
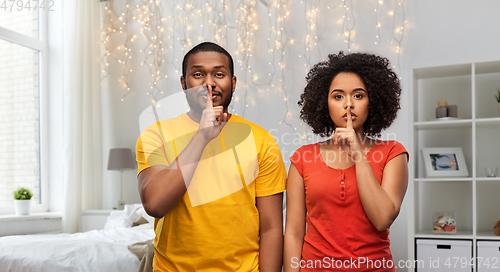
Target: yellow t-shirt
point(215, 227)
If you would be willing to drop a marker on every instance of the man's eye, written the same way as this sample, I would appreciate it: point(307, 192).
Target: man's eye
point(197, 74)
point(219, 74)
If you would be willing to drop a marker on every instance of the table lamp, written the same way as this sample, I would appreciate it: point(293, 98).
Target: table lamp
point(121, 159)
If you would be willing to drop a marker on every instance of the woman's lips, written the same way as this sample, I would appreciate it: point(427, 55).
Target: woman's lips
point(353, 116)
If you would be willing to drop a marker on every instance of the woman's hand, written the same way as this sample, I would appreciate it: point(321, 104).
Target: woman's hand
point(345, 138)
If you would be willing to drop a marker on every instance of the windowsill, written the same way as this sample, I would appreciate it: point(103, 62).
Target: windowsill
point(33, 216)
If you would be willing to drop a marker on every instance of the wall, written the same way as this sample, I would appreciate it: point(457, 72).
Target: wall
point(453, 32)
point(266, 108)
point(266, 102)
point(437, 32)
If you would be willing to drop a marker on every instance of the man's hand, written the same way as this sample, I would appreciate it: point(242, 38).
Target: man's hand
point(213, 118)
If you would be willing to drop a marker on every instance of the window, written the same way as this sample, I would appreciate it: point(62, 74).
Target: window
point(22, 105)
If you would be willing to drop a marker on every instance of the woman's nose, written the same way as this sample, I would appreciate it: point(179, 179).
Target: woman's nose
point(348, 103)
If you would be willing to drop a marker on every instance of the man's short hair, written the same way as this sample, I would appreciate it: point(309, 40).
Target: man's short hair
point(207, 47)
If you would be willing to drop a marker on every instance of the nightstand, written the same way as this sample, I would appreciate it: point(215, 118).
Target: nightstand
point(93, 219)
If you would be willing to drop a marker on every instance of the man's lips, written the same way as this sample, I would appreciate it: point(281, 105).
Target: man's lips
point(214, 94)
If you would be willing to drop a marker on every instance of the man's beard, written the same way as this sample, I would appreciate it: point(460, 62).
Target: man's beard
point(225, 102)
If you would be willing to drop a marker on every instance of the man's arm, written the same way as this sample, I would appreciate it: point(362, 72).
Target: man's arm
point(271, 232)
point(295, 220)
point(162, 187)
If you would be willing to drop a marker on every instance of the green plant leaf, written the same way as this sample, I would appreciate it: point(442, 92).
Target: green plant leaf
point(22, 193)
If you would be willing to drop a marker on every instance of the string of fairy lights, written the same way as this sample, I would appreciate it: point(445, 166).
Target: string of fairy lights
point(156, 34)
point(398, 29)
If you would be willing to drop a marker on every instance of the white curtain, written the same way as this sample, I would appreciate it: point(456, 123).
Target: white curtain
point(82, 125)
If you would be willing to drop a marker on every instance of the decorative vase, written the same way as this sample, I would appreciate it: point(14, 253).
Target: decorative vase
point(23, 207)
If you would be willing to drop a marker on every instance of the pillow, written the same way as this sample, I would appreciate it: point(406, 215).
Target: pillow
point(122, 218)
point(143, 217)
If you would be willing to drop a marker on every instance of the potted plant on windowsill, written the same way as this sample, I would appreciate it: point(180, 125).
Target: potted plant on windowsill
point(22, 200)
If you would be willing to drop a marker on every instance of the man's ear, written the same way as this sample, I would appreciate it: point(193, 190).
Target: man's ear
point(183, 83)
point(234, 83)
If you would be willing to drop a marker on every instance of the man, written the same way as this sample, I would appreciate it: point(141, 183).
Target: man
point(212, 180)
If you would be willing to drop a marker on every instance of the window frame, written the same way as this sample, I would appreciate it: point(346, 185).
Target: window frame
point(41, 45)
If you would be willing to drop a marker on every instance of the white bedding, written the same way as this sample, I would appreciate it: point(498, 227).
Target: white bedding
point(93, 251)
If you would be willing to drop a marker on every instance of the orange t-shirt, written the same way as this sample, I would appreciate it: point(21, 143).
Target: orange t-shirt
point(339, 236)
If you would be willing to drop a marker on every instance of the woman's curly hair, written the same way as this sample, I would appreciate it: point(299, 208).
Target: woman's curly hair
point(381, 82)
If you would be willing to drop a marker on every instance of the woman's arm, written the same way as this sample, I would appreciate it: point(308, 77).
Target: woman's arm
point(382, 203)
point(295, 227)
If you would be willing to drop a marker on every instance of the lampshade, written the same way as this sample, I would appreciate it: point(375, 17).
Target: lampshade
point(121, 159)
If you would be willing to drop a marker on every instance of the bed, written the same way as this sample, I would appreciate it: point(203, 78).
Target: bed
point(121, 246)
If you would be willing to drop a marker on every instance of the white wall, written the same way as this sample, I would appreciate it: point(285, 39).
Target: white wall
point(437, 32)
point(266, 108)
point(121, 117)
point(449, 31)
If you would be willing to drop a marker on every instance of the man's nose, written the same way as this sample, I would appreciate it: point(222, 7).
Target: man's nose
point(210, 80)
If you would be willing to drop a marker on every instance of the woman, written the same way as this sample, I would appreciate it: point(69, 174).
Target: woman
point(349, 188)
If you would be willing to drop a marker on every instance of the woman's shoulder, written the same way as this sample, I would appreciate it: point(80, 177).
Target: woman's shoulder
point(388, 143)
point(390, 148)
point(307, 147)
point(304, 151)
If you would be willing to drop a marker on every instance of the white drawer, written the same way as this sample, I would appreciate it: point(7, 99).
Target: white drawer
point(444, 255)
point(488, 256)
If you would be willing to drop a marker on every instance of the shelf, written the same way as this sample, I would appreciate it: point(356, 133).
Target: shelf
point(488, 122)
point(469, 86)
point(488, 67)
point(459, 235)
point(488, 179)
point(487, 235)
point(461, 123)
point(443, 71)
point(442, 179)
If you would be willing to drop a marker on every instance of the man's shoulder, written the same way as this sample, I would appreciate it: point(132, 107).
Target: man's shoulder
point(165, 123)
point(178, 119)
point(255, 128)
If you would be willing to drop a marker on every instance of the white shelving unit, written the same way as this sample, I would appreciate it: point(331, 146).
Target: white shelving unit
point(470, 86)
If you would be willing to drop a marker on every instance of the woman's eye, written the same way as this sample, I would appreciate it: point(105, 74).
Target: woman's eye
point(338, 96)
point(358, 96)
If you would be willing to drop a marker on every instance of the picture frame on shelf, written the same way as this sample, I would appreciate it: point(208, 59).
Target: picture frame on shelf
point(444, 162)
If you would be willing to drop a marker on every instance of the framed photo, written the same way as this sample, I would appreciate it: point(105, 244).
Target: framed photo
point(444, 162)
